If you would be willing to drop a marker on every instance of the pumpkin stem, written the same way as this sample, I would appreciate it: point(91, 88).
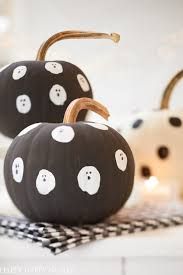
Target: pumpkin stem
point(72, 35)
point(169, 89)
point(84, 103)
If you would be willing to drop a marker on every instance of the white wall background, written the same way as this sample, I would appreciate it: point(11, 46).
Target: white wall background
point(126, 77)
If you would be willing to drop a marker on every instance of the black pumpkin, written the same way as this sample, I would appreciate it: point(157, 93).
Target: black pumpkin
point(72, 172)
point(34, 91)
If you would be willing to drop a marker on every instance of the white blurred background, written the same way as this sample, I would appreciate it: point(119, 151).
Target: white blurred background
point(126, 77)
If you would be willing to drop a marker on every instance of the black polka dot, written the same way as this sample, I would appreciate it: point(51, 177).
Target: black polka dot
point(175, 121)
point(145, 171)
point(163, 152)
point(137, 123)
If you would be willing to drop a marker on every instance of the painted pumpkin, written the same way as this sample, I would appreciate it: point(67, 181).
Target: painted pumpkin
point(72, 172)
point(156, 139)
point(34, 91)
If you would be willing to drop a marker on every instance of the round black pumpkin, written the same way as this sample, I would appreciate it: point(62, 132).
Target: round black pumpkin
point(72, 172)
point(34, 91)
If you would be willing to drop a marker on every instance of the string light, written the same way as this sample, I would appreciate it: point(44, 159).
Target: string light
point(151, 183)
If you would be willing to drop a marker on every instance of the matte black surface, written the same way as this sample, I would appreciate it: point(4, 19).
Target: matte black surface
point(67, 203)
point(36, 84)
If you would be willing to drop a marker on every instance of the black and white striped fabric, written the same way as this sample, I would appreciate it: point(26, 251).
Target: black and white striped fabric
point(59, 238)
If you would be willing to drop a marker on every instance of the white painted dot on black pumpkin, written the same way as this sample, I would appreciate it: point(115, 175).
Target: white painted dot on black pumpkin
point(83, 83)
point(175, 121)
point(89, 179)
point(54, 67)
point(163, 152)
point(121, 160)
point(63, 134)
point(28, 129)
point(97, 125)
point(145, 171)
point(57, 95)
point(19, 72)
point(18, 169)
point(136, 124)
point(23, 104)
point(45, 182)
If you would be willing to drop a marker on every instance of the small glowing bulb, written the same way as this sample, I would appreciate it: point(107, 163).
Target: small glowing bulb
point(151, 183)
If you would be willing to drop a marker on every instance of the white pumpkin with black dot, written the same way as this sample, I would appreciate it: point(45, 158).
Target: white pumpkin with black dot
point(74, 172)
point(156, 139)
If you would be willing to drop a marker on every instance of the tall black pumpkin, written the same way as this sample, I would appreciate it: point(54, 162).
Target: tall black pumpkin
point(34, 91)
point(72, 172)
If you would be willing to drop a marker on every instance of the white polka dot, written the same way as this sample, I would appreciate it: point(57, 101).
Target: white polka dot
point(89, 180)
point(23, 104)
point(45, 182)
point(19, 72)
point(18, 169)
point(3, 68)
point(83, 83)
point(54, 67)
point(97, 125)
point(28, 129)
point(121, 160)
point(63, 134)
point(58, 95)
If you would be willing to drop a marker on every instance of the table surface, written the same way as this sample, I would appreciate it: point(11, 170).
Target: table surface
point(162, 242)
